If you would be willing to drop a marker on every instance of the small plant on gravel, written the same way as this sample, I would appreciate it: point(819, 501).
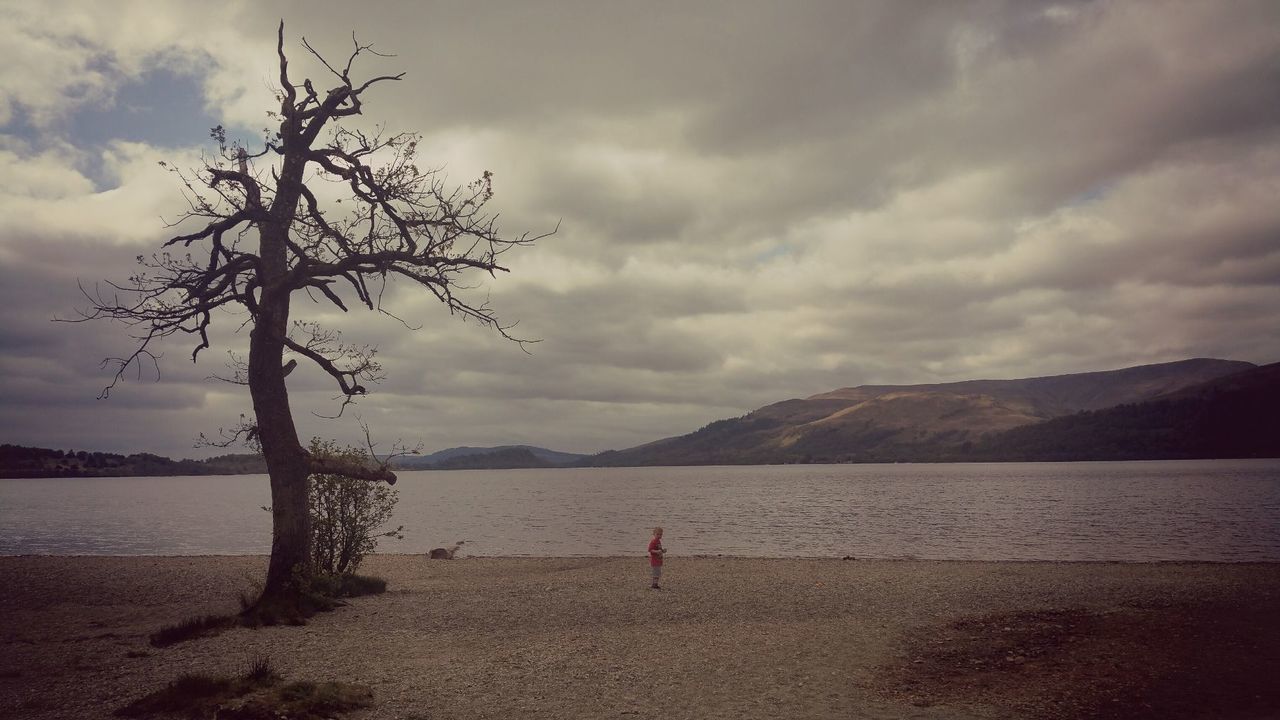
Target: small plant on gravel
point(261, 671)
point(250, 596)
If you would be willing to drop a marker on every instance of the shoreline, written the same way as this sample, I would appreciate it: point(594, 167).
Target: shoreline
point(823, 558)
point(22, 474)
point(728, 637)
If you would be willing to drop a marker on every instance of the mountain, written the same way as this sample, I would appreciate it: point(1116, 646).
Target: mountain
point(1199, 408)
point(1236, 416)
point(876, 423)
point(492, 458)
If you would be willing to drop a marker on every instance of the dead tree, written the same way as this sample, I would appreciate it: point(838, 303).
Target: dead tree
point(265, 235)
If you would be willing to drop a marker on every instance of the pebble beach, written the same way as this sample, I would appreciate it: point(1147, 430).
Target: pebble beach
point(726, 637)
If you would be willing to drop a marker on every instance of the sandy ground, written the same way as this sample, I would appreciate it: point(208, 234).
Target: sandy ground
point(725, 638)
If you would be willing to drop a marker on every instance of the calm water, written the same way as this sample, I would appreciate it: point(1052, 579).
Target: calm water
point(1183, 510)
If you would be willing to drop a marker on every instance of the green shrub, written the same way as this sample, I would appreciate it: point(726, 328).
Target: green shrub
point(347, 515)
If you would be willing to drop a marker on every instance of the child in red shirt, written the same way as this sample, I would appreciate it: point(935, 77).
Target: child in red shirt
point(656, 551)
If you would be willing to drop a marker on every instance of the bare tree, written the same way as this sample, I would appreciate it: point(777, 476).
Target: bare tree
point(265, 235)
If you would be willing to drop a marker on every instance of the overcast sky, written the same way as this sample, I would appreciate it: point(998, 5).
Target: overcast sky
point(756, 201)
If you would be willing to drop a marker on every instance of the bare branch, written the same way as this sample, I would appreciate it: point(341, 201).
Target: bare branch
point(245, 431)
point(398, 448)
point(122, 364)
point(239, 367)
point(347, 364)
point(290, 95)
point(320, 464)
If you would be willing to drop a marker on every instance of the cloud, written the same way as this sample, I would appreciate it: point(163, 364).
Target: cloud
point(754, 202)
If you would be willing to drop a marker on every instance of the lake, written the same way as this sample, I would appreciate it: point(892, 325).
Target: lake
point(1221, 510)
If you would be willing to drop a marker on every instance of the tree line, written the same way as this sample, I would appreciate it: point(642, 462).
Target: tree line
point(17, 461)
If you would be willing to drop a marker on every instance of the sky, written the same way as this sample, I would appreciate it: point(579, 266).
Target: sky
point(755, 201)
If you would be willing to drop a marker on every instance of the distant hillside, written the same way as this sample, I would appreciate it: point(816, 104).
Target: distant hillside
point(877, 423)
point(1200, 408)
point(17, 461)
point(491, 458)
point(1237, 416)
point(504, 459)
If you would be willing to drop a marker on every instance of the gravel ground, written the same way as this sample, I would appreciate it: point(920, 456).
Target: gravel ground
point(725, 638)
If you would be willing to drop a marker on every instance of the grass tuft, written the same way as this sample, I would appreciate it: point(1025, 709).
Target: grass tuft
point(319, 700)
point(258, 695)
point(191, 628)
point(331, 587)
point(261, 672)
point(195, 696)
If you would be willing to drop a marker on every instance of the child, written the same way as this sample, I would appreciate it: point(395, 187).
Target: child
point(656, 551)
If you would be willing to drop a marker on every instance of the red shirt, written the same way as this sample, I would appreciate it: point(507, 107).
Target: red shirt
point(655, 551)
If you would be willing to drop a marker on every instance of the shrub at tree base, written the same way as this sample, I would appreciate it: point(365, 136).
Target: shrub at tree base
point(347, 517)
point(347, 514)
point(320, 593)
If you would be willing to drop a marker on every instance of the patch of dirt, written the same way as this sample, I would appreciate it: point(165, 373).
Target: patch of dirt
point(1156, 662)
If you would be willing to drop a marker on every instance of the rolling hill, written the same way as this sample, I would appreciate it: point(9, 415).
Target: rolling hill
point(946, 421)
point(1235, 416)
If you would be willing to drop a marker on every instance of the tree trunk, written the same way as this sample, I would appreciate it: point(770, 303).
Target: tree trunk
point(286, 460)
point(285, 595)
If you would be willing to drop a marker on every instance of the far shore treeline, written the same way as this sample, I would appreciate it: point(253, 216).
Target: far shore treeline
point(17, 461)
point(1201, 408)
